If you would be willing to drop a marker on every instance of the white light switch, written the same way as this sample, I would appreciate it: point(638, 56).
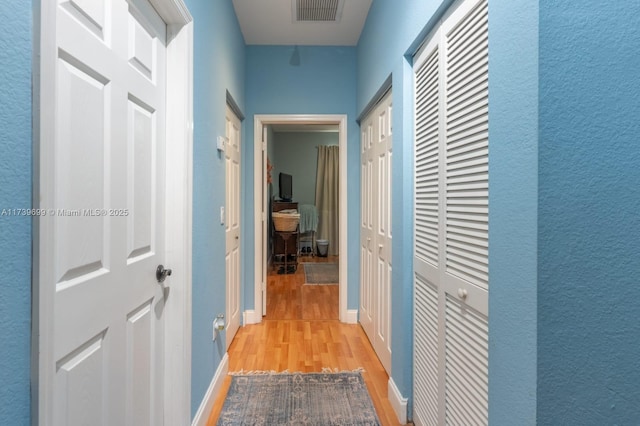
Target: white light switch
point(221, 141)
point(222, 215)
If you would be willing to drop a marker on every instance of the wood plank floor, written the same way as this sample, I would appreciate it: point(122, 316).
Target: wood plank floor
point(288, 297)
point(288, 340)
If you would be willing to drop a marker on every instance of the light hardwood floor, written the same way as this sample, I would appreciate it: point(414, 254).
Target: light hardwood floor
point(288, 298)
point(301, 333)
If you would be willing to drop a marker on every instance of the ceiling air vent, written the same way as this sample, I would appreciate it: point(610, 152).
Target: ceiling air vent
point(317, 10)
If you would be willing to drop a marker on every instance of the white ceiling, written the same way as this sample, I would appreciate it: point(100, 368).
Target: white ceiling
point(272, 22)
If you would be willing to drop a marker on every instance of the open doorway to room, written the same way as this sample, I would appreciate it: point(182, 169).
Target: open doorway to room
point(280, 270)
point(303, 178)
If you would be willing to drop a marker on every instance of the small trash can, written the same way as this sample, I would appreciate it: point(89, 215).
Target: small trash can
point(323, 247)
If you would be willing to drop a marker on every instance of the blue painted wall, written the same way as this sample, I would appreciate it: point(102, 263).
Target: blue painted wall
point(589, 213)
point(513, 176)
point(219, 65)
point(324, 83)
point(15, 193)
point(296, 153)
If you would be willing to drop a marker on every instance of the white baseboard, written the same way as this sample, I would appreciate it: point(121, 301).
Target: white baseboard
point(202, 415)
point(398, 402)
point(351, 317)
point(251, 317)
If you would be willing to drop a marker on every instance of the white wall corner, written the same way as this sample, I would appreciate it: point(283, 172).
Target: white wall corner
point(398, 402)
point(251, 317)
point(202, 415)
point(352, 316)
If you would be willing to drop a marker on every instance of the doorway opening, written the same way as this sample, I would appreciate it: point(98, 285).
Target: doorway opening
point(262, 205)
point(302, 265)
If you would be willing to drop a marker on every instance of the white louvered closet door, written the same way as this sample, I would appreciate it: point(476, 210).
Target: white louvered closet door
point(451, 280)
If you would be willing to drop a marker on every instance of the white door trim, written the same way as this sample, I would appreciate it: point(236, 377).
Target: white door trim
point(178, 207)
point(261, 188)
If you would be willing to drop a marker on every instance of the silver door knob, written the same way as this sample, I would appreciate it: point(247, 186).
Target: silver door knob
point(162, 273)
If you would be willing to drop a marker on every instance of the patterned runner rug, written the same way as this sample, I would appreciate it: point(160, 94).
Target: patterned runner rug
point(298, 399)
point(321, 273)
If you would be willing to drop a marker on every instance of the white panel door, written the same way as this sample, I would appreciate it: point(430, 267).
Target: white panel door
point(367, 228)
point(103, 236)
point(451, 280)
point(232, 223)
point(375, 296)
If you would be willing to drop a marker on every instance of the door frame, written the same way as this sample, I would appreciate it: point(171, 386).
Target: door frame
point(178, 208)
point(260, 219)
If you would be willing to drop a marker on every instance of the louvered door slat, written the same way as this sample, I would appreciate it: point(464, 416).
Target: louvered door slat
point(472, 253)
point(469, 155)
point(467, 149)
point(466, 361)
point(471, 95)
point(426, 358)
point(477, 138)
point(427, 163)
point(460, 129)
point(470, 226)
point(469, 28)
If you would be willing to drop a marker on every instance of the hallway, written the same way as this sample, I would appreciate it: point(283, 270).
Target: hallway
point(301, 333)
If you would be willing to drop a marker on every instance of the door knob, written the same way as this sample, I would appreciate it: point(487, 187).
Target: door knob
point(162, 273)
point(462, 293)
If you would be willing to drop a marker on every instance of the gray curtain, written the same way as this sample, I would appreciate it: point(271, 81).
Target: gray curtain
point(327, 196)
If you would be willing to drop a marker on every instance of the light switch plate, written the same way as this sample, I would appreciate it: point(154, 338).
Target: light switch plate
point(221, 215)
point(221, 141)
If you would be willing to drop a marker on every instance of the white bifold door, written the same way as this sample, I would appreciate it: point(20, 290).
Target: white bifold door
point(232, 223)
point(102, 185)
point(375, 229)
point(451, 281)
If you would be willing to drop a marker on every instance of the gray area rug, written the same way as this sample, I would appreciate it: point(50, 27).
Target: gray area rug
point(298, 399)
point(321, 273)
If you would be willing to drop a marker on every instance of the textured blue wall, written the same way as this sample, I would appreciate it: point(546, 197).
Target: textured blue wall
point(15, 193)
point(218, 66)
point(513, 176)
point(589, 214)
point(324, 83)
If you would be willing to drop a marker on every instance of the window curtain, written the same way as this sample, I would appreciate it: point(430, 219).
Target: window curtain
point(327, 196)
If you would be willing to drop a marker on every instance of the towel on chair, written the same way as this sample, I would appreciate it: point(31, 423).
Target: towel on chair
point(308, 218)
